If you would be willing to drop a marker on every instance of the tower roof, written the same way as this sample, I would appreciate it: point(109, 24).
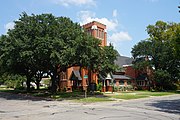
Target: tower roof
point(100, 25)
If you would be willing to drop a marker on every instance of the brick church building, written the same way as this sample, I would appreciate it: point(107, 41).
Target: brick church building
point(79, 78)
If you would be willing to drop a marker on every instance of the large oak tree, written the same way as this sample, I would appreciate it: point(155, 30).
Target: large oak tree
point(161, 49)
point(45, 43)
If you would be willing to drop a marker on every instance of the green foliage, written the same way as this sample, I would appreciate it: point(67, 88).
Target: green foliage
point(138, 94)
point(87, 52)
point(12, 81)
point(129, 96)
point(99, 86)
point(160, 52)
point(163, 80)
point(45, 43)
point(108, 56)
point(46, 82)
point(115, 88)
point(123, 88)
point(93, 99)
point(39, 43)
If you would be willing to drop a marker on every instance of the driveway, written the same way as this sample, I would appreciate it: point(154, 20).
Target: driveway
point(20, 107)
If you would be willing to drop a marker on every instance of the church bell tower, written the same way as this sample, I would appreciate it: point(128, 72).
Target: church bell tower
point(97, 30)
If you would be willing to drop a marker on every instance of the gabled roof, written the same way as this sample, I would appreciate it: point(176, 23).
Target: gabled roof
point(123, 60)
point(75, 75)
point(122, 77)
point(119, 77)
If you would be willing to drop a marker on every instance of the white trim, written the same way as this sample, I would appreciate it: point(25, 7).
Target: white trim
point(127, 65)
point(77, 74)
point(94, 27)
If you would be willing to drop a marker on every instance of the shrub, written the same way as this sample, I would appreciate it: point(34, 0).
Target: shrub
point(123, 88)
point(13, 81)
point(99, 86)
point(163, 81)
point(115, 88)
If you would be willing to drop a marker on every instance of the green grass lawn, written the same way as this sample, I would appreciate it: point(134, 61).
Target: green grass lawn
point(138, 94)
point(78, 96)
point(93, 99)
point(128, 97)
point(154, 93)
point(3, 89)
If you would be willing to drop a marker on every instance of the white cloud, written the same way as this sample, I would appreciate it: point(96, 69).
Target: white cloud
point(88, 16)
point(114, 36)
point(116, 39)
point(120, 36)
point(8, 26)
point(111, 24)
point(74, 2)
point(115, 13)
point(84, 16)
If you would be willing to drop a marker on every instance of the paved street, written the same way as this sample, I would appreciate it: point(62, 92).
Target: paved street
point(18, 107)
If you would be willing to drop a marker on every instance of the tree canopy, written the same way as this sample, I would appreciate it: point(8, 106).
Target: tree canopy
point(161, 49)
point(43, 43)
point(107, 64)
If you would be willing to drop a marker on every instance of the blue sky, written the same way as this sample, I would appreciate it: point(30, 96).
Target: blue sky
point(126, 20)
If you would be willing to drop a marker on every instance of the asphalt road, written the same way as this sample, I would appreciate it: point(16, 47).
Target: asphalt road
point(18, 107)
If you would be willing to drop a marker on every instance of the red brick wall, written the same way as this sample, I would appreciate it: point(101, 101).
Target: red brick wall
point(101, 27)
point(130, 71)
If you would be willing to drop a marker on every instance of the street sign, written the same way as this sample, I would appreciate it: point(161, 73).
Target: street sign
point(85, 76)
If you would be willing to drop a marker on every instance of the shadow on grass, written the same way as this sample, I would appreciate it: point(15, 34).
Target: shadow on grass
point(21, 95)
point(169, 106)
point(38, 95)
point(78, 96)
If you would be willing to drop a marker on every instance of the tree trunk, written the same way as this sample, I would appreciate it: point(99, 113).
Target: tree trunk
point(28, 83)
point(38, 84)
point(54, 84)
point(53, 87)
